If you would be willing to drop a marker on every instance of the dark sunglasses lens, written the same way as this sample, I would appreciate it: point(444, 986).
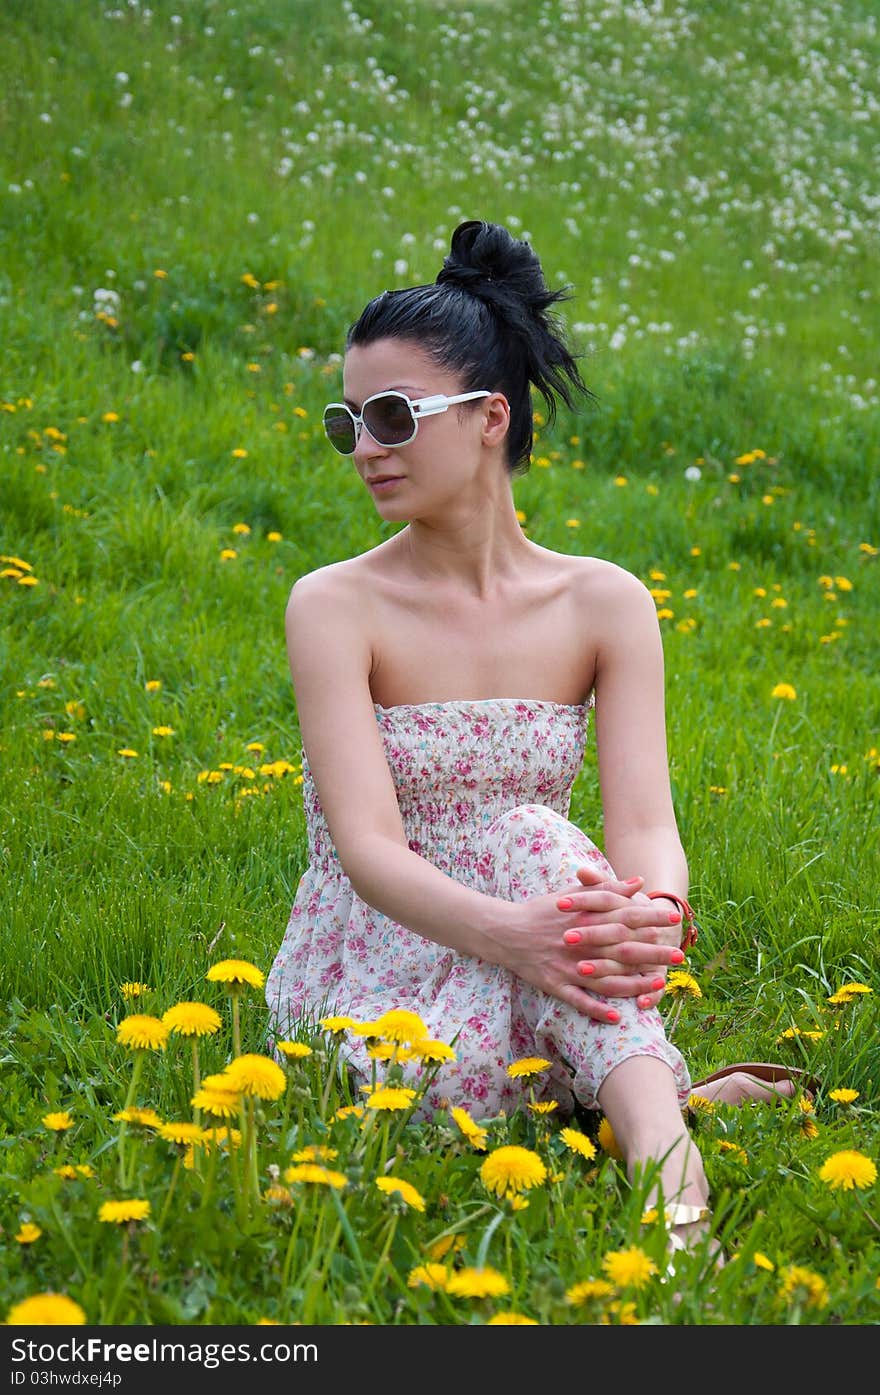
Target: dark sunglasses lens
point(389, 421)
point(339, 426)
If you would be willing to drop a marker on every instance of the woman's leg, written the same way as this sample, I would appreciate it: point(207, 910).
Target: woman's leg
point(640, 1101)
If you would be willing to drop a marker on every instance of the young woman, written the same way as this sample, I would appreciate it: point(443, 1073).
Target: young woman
point(445, 682)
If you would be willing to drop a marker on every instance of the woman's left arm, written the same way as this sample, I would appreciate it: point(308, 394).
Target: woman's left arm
point(641, 836)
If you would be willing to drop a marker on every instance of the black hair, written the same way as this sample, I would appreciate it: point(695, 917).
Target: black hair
point(488, 318)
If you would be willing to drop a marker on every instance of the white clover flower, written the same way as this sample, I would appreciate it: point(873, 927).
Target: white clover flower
point(693, 472)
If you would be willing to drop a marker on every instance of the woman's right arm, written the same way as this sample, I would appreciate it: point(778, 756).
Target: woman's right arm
point(330, 664)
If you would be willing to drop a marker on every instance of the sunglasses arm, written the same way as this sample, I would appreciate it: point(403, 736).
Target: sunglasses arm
point(430, 406)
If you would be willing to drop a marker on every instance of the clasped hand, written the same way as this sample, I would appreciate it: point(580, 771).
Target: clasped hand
point(597, 940)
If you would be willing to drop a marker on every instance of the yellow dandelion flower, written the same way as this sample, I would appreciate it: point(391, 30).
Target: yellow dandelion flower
point(192, 1020)
point(391, 1097)
point(235, 974)
point(228, 554)
point(222, 1103)
point(120, 1212)
point(180, 1133)
point(316, 1175)
point(761, 1261)
point(399, 1025)
point(46, 1310)
point(315, 1152)
point(446, 1244)
point(527, 1065)
point(477, 1283)
point(433, 1276)
point(848, 991)
point(128, 752)
point(58, 1120)
point(680, 982)
point(543, 1106)
point(803, 1286)
point(242, 529)
point(430, 1050)
point(848, 1169)
point(512, 1320)
point(623, 1313)
point(277, 1195)
point(163, 731)
point(147, 1118)
point(273, 537)
point(397, 1186)
point(843, 1096)
point(512, 1169)
point(589, 1290)
point(27, 1233)
point(578, 1142)
point(347, 1111)
point(784, 690)
point(697, 1101)
point(134, 990)
point(257, 1075)
point(630, 1268)
point(153, 685)
point(607, 1142)
point(293, 1050)
point(725, 1146)
point(475, 1134)
point(140, 1032)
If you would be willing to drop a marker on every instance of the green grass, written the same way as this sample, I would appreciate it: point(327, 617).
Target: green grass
point(264, 149)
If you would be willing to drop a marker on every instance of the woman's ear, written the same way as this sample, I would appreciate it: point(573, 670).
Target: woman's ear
point(496, 417)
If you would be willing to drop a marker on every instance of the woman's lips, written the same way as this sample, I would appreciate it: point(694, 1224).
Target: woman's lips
point(379, 486)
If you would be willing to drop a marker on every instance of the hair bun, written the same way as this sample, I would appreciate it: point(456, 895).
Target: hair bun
point(485, 254)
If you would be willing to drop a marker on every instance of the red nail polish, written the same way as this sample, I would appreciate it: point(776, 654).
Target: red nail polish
point(674, 917)
point(586, 969)
point(565, 903)
point(644, 1002)
point(573, 937)
point(658, 984)
point(614, 1017)
point(677, 956)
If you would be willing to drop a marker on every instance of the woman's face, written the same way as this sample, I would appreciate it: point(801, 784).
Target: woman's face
point(445, 457)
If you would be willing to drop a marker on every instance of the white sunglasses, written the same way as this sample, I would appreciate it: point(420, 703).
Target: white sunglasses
point(391, 418)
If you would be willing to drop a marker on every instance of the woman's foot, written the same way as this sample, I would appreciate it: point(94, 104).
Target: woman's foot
point(754, 1081)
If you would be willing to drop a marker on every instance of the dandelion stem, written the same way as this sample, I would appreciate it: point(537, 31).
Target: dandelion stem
point(383, 1257)
point(130, 1098)
point(170, 1194)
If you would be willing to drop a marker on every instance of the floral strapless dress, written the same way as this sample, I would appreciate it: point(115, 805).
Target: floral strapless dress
point(484, 788)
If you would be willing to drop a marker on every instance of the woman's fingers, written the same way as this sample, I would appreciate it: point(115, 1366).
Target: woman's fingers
point(607, 884)
point(589, 1006)
point(629, 946)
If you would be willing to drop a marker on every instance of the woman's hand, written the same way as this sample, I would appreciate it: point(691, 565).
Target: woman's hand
point(629, 949)
point(612, 945)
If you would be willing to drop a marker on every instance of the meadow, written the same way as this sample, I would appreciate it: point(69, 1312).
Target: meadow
point(195, 203)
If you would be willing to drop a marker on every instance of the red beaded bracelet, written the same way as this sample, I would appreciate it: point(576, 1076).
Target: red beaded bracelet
point(688, 921)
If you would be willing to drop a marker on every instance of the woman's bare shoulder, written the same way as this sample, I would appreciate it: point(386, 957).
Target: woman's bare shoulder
point(336, 580)
point(605, 583)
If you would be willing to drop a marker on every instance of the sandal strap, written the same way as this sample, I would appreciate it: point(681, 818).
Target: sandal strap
point(679, 1214)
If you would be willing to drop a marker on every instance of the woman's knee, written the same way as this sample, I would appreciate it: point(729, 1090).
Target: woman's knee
point(533, 843)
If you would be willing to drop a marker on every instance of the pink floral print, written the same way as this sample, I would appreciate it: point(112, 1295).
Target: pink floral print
point(484, 788)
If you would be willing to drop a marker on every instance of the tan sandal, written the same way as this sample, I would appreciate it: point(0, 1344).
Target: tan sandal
point(764, 1073)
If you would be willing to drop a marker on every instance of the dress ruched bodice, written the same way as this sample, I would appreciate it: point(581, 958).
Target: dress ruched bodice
point(457, 765)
